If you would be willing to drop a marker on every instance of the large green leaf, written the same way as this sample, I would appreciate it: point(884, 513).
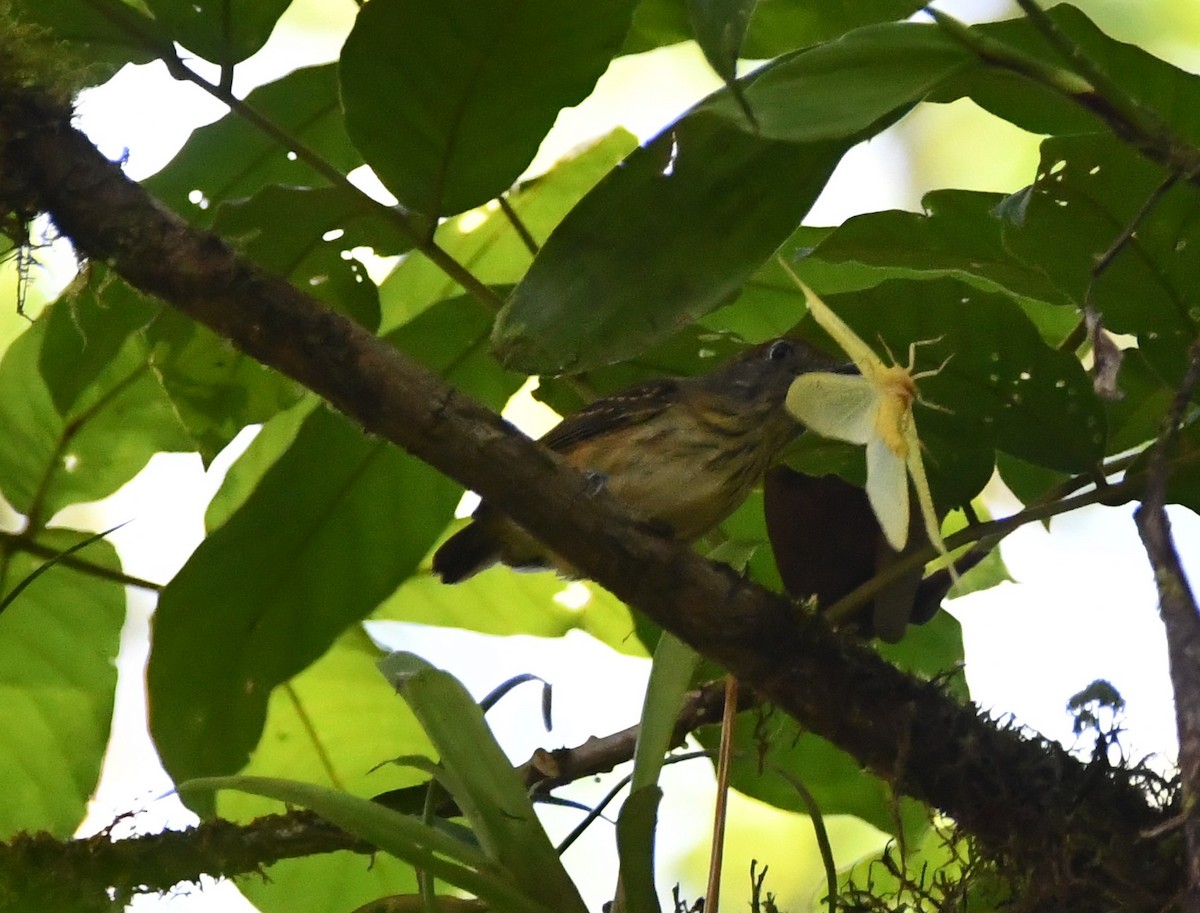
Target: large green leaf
point(280, 224)
point(215, 390)
point(223, 31)
point(58, 647)
point(50, 459)
point(958, 234)
point(666, 237)
point(452, 121)
point(485, 239)
point(450, 338)
point(332, 725)
point(677, 229)
point(232, 158)
point(284, 230)
point(1171, 93)
point(775, 27)
point(333, 527)
point(502, 603)
point(87, 328)
point(845, 87)
point(325, 510)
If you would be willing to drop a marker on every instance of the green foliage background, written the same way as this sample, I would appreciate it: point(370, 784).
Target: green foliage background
point(651, 259)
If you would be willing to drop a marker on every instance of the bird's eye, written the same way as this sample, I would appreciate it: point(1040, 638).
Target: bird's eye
point(780, 349)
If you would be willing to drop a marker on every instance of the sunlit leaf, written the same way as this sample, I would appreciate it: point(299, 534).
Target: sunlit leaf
point(49, 459)
point(86, 329)
point(58, 647)
point(333, 527)
point(333, 724)
point(487, 240)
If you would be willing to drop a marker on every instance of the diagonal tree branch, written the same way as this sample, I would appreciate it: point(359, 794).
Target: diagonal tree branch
point(998, 783)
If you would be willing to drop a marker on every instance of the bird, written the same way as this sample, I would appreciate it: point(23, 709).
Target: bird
point(682, 453)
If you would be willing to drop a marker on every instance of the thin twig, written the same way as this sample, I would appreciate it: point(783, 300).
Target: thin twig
point(712, 896)
point(522, 230)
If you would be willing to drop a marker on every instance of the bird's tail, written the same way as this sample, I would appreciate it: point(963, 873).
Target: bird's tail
point(466, 553)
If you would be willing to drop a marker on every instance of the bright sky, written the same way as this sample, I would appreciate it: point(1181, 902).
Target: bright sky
point(1083, 606)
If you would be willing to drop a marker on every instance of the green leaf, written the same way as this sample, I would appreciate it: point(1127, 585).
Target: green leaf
point(332, 724)
point(58, 648)
point(670, 675)
point(450, 338)
point(223, 31)
point(341, 218)
point(333, 527)
point(782, 25)
point(404, 836)
point(453, 121)
point(850, 87)
point(490, 794)
point(86, 329)
point(324, 269)
point(990, 572)
point(25, 582)
point(1171, 93)
point(665, 238)
point(776, 26)
point(502, 603)
point(49, 460)
point(719, 27)
point(635, 847)
point(486, 239)
point(232, 158)
point(958, 234)
point(272, 441)
point(1087, 193)
point(214, 389)
point(329, 881)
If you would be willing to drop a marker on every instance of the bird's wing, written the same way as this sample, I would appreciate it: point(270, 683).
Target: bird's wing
point(629, 407)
